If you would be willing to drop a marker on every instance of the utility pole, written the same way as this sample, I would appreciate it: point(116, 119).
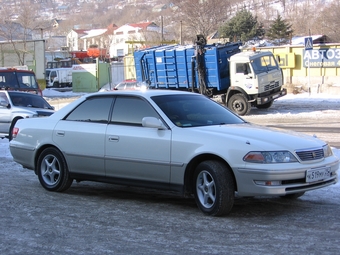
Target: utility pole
point(180, 31)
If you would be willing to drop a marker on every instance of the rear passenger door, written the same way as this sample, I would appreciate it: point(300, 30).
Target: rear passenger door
point(132, 151)
point(81, 136)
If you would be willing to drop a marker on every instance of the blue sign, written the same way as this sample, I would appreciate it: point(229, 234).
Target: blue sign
point(323, 57)
point(308, 43)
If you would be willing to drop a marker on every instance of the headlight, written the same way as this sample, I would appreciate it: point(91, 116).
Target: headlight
point(327, 151)
point(266, 157)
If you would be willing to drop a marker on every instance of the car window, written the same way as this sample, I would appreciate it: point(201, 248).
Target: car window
point(28, 100)
point(194, 110)
point(131, 111)
point(27, 80)
point(95, 109)
point(3, 97)
point(8, 79)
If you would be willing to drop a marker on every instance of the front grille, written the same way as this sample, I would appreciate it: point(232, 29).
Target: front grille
point(272, 85)
point(307, 155)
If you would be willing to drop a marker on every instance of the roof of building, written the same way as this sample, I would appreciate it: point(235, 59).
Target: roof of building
point(94, 33)
point(296, 40)
point(143, 25)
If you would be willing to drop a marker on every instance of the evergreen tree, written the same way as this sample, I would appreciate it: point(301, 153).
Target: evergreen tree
point(242, 27)
point(279, 31)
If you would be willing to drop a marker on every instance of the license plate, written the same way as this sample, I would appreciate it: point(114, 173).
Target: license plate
point(314, 175)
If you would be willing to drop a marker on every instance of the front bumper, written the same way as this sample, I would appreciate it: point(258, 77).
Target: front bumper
point(268, 98)
point(260, 182)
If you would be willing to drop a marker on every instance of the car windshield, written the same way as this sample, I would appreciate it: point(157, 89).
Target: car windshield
point(194, 110)
point(264, 64)
point(29, 100)
point(27, 80)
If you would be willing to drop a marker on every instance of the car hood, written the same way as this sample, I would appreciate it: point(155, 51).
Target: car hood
point(32, 110)
point(45, 112)
point(264, 138)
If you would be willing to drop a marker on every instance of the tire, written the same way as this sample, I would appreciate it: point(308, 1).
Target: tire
point(239, 104)
point(265, 106)
point(10, 131)
point(52, 170)
point(294, 196)
point(214, 188)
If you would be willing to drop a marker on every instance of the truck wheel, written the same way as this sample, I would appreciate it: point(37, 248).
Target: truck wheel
point(265, 106)
point(214, 188)
point(239, 104)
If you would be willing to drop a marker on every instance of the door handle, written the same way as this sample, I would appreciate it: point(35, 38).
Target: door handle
point(60, 133)
point(113, 138)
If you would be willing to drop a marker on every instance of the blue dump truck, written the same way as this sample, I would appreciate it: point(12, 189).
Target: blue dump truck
point(242, 78)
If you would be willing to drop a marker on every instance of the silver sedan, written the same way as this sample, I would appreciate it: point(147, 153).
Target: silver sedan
point(170, 140)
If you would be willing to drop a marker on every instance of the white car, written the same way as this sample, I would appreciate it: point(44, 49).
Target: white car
point(15, 105)
point(170, 140)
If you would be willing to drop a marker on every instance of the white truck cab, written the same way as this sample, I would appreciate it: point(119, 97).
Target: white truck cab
point(58, 77)
point(256, 80)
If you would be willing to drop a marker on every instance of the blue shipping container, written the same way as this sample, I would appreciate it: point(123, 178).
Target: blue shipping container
point(177, 66)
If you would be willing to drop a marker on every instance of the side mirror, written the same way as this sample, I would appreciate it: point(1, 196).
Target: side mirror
point(3, 103)
point(278, 58)
point(152, 122)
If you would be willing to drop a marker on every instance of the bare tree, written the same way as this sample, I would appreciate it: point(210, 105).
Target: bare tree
point(201, 16)
point(328, 21)
point(21, 28)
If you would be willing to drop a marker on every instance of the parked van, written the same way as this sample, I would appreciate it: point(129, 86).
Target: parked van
point(19, 79)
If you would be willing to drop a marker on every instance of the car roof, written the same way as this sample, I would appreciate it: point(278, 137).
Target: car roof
point(144, 93)
point(10, 70)
point(12, 92)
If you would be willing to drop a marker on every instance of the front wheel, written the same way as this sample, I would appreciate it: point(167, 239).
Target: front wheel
point(52, 170)
point(239, 104)
point(214, 188)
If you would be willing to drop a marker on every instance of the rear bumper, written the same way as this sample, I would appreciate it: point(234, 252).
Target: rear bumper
point(21, 155)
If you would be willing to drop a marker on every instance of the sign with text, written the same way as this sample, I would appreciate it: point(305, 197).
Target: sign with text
point(323, 57)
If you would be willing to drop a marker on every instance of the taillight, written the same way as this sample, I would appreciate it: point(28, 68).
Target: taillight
point(15, 132)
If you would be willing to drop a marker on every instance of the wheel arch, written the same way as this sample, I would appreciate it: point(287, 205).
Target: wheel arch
point(236, 90)
point(190, 170)
point(40, 150)
point(11, 126)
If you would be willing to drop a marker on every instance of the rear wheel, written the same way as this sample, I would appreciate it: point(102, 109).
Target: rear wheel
point(214, 188)
point(52, 170)
point(239, 104)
